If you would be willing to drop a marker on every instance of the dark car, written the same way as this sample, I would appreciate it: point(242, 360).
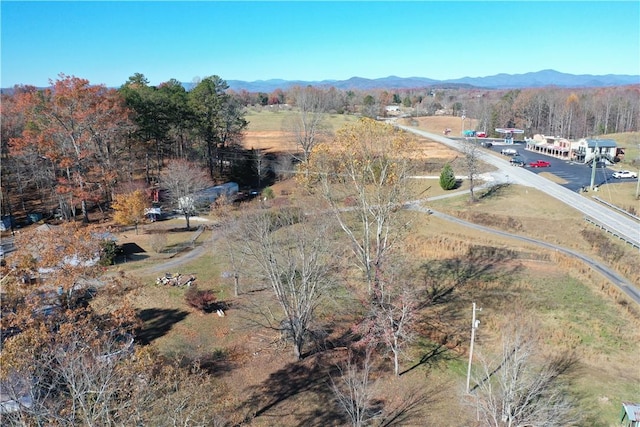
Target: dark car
point(517, 161)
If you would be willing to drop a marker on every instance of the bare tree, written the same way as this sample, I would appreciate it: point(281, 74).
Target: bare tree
point(261, 165)
point(472, 165)
point(85, 377)
point(293, 255)
point(363, 175)
point(354, 391)
point(522, 388)
point(359, 396)
point(228, 217)
point(308, 125)
point(183, 179)
point(391, 318)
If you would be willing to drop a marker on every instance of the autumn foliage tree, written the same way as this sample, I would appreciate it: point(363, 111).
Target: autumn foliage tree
point(363, 176)
point(70, 358)
point(75, 127)
point(130, 208)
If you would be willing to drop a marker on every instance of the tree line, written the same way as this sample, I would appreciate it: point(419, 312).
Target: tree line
point(74, 145)
point(567, 112)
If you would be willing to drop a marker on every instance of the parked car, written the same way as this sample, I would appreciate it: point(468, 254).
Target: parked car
point(509, 152)
point(540, 164)
point(481, 134)
point(517, 161)
point(624, 174)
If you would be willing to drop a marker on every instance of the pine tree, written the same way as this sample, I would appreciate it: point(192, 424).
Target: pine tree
point(447, 178)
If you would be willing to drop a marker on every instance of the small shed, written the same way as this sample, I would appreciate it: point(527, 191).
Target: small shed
point(630, 414)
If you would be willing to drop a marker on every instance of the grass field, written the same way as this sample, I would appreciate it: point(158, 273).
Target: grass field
point(571, 311)
point(265, 129)
point(572, 308)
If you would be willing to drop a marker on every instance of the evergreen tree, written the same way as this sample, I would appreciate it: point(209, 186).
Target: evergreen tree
point(447, 178)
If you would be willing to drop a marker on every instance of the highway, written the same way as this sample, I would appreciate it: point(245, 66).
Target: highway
point(614, 222)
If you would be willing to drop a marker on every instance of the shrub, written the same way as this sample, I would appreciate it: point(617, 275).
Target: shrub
point(268, 193)
point(447, 178)
point(202, 300)
point(109, 251)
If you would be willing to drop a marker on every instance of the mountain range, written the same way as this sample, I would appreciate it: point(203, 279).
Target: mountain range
point(544, 78)
point(499, 81)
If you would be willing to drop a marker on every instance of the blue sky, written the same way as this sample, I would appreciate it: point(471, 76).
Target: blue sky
point(106, 42)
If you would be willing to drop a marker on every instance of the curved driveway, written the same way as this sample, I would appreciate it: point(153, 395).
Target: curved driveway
point(614, 222)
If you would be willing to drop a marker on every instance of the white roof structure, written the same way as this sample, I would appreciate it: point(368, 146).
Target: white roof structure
point(509, 130)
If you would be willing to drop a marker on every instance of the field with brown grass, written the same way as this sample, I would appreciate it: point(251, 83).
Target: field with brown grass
point(265, 131)
point(572, 307)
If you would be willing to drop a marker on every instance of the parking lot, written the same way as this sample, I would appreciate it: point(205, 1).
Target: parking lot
point(576, 175)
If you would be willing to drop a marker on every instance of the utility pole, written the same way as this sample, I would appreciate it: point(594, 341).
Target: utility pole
point(474, 325)
point(594, 165)
point(462, 124)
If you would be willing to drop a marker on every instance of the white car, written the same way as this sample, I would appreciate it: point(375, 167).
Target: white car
point(625, 174)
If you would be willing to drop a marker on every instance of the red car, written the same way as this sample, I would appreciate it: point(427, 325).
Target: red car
point(481, 134)
point(540, 164)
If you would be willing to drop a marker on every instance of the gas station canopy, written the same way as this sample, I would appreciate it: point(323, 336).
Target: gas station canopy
point(508, 133)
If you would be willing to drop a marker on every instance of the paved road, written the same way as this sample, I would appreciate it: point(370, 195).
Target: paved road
point(575, 175)
point(614, 222)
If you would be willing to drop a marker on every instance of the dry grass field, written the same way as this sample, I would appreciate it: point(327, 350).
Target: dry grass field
point(572, 307)
point(265, 131)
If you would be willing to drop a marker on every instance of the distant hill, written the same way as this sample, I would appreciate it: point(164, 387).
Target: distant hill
point(548, 78)
point(499, 81)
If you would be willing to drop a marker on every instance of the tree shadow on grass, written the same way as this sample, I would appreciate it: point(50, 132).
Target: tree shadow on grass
point(449, 286)
point(216, 363)
point(480, 263)
point(157, 322)
point(310, 376)
point(435, 354)
point(494, 191)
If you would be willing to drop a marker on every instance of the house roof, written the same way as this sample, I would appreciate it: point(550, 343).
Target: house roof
point(46, 227)
point(632, 410)
point(602, 143)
